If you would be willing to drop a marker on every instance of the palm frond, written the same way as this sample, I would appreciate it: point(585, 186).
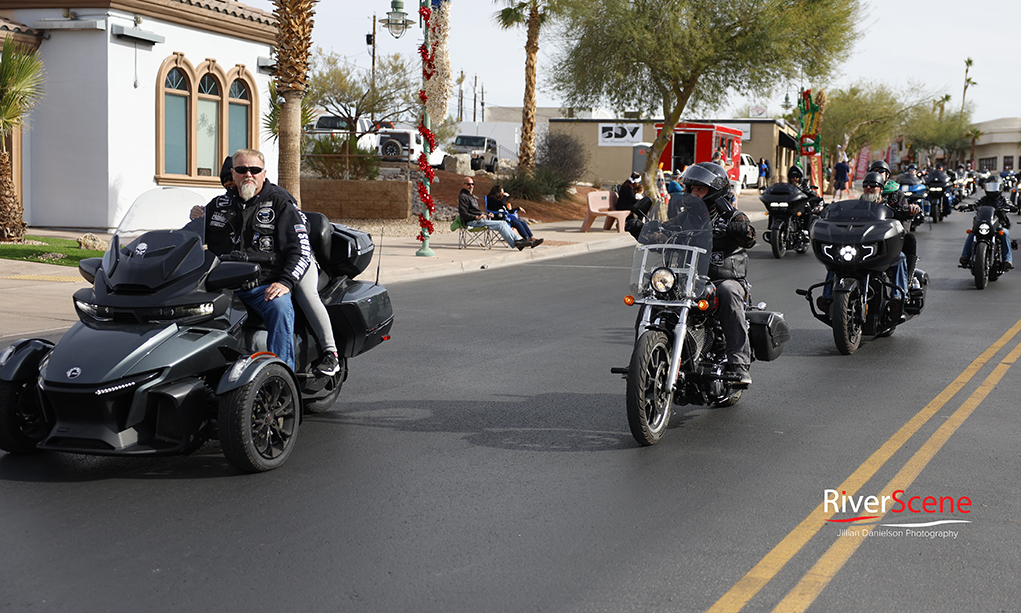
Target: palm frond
point(21, 84)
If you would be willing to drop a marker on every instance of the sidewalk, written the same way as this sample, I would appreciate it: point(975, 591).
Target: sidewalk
point(37, 297)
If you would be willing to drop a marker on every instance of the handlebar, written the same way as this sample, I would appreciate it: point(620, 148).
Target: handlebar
point(241, 256)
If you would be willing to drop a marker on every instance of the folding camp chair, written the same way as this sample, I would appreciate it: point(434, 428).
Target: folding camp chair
point(482, 236)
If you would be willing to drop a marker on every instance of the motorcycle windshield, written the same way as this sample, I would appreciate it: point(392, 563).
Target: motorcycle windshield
point(856, 210)
point(155, 241)
point(166, 208)
point(681, 244)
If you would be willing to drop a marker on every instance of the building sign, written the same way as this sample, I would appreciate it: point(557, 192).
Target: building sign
point(619, 134)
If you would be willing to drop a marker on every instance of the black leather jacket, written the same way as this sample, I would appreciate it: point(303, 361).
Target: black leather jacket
point(269, 229)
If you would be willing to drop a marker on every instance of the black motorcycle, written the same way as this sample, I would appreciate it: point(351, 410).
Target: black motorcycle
point(987, 263)
point(940, 194)
point(165, 357)
point(680, 350)
point(858, 242)
point(790, 212)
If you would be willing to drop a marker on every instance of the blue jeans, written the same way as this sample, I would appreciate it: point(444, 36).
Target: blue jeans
point(278, 314)
point(520, 226)
point(1004, 245)
point(500, 226)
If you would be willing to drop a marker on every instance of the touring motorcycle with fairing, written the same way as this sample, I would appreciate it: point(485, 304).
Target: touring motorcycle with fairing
point(859, 242)
point(165, 357)
point(790, 213)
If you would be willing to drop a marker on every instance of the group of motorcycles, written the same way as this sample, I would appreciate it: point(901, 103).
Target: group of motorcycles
point(679, 352)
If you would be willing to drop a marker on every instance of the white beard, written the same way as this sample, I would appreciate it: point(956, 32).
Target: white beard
point(872, 197)
point(247, 191)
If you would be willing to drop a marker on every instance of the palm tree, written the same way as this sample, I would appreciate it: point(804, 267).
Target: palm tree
point(294, 43)
point(21, 87)
point(973, 134)
point(534, 14)
point(941, 103)
point(967, 81)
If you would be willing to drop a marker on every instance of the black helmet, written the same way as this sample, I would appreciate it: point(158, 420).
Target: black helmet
point(794, 173)
point(709, 175)
point(880, 166)
point(873, 179)
point(912, 167)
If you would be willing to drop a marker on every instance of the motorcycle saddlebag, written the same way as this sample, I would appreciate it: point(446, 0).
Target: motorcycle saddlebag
point(361, 315)
point(350, 251)
point(767, 332)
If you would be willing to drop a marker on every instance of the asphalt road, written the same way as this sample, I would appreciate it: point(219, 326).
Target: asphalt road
point(481, 461)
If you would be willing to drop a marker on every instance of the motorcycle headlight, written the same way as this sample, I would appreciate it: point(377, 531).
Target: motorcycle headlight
point(177, 313)
point(905, 188)
point(935, 189)
point(778, 205)
point(95, 311)
point(662, 280)
point(847, 253)
point(984, 228)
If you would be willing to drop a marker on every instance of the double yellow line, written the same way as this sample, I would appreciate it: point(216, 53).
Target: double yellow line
point(819, 576)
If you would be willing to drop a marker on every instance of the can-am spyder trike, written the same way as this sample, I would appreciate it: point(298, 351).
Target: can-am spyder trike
point(165, 357)
point(859, 242)
point(680, 350)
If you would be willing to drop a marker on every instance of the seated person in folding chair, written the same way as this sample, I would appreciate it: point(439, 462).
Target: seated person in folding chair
point(496, 203)
point(473, 217)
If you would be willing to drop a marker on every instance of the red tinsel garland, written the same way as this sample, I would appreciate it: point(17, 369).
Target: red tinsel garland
point(428, 70)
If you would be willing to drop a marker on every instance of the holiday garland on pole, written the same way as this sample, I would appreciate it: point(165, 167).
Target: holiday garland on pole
point(434, 95)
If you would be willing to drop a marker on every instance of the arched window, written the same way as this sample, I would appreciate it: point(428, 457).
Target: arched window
point(238, 116)
point(204, 114)
point(175, 122)
point(208, 133)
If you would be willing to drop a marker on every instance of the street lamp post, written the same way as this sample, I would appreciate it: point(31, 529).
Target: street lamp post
point(397, 23)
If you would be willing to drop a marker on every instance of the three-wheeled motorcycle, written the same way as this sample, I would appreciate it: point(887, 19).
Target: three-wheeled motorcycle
point(165, 357)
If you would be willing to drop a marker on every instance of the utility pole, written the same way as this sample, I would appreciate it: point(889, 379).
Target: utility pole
point(483, 105)
point(475, 99)
point(460, 98)
point(372, 110)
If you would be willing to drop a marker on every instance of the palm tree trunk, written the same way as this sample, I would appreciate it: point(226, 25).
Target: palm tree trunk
point(290, 144)
point(526, 155)
point(12, 223)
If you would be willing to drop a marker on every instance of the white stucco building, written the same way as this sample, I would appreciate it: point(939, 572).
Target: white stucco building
point(138, 94)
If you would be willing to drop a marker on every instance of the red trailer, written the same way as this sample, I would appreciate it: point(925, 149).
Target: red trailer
point(695, 142)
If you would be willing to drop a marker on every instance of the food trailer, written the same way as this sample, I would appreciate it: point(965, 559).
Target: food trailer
point(695, 142)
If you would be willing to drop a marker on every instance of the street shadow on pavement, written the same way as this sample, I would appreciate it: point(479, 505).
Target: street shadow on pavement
point(557, 422)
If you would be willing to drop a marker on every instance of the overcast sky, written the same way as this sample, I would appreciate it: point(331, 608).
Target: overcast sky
point(922, 41)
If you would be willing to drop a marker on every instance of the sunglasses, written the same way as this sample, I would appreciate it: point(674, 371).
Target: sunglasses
point(467, 183)
point(248, 169)
point(871, 185)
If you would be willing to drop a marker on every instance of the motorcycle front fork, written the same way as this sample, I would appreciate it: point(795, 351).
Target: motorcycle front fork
point(679, 333)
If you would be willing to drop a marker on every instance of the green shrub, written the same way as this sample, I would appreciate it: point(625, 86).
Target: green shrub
point(534, 186)
point(336, 157)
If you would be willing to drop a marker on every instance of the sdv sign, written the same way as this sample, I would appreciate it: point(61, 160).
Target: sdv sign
point(619, 134)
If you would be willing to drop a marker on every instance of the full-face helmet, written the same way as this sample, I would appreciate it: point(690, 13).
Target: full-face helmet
point(795, 175)
point(707, 174)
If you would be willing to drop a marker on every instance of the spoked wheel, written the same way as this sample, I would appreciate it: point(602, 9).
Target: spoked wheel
point(779, 240)
point(980, 265)
point(648, 399)
point(845, 313)
point(22, 421)
point(259, 421)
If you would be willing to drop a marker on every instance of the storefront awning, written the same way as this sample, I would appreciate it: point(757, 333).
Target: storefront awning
point(788, 141)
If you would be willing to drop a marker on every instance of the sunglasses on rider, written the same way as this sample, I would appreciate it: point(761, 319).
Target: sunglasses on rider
point(248, 169)
point(871, 184)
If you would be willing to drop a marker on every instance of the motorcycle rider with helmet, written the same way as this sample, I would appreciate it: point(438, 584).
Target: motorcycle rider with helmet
point(902, 210)
point(733, 233)
point(994, 198)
